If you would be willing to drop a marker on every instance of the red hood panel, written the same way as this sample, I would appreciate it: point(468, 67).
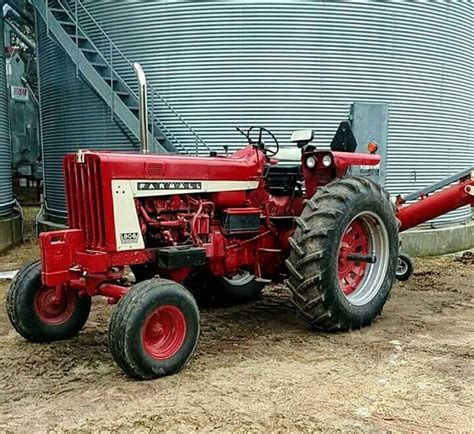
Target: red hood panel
point(243, 165)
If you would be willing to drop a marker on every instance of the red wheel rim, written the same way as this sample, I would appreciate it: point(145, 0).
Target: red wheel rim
point(53, 312)
point(351, 273)
point(164, 332)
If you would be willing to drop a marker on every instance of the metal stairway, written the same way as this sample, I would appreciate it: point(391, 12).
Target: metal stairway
point(97, 64)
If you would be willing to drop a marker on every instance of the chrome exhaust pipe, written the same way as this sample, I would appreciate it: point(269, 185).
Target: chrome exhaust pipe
point(143, 107)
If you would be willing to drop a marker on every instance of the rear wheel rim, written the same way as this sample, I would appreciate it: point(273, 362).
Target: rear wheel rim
point(51, 311)
point(164, 332)
point(366, 234)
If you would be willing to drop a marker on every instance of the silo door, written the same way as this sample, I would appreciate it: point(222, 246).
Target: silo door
point(370, 124)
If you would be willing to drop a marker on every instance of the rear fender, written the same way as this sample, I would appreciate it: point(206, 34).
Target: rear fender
point(344, 160)
point(318, 174)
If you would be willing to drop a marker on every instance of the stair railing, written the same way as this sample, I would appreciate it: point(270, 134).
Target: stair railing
point(111, 61)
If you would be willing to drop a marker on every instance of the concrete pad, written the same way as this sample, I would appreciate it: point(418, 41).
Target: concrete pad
point(10, 231)
point(47, 225)
point(8, 275)
point(433, 242)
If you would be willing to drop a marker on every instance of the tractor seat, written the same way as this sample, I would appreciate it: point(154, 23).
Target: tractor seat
point(289, 154)
point(301, 138)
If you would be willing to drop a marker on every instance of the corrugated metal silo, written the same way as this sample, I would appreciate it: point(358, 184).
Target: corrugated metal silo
point(10, 219)
point(283, 65)
point(6, 189)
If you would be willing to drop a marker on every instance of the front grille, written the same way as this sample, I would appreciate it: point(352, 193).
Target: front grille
point(84, 199)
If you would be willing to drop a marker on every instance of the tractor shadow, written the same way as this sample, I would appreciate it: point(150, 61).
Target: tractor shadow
point(233, 328)
point(225, 332)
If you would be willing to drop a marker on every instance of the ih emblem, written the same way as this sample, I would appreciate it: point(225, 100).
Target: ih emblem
point(129, 237)
point(177, 185)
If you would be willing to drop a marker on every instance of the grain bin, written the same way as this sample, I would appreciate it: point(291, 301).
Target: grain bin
point(10, 220)
point(284, 65)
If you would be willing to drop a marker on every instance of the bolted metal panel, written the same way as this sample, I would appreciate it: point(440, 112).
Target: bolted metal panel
point(301, 64)
point(370, 124)
point(6, 188)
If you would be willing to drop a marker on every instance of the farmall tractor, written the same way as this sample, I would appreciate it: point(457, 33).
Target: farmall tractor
point(230, 223)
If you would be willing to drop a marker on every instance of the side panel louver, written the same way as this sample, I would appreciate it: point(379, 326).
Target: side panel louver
point(84, 199)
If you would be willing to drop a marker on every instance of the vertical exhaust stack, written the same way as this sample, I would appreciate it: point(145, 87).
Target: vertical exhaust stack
point(143, 107)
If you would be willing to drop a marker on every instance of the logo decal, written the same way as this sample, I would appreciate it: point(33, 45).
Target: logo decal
point(177, 185)
point(129, 237)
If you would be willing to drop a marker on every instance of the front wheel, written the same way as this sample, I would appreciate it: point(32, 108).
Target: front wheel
point(35, 313)
point(154, 329)
point(344, 255)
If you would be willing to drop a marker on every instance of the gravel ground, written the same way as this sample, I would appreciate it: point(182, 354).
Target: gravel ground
point(259, 368)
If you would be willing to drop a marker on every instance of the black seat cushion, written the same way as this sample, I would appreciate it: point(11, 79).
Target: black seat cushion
point(282, 179)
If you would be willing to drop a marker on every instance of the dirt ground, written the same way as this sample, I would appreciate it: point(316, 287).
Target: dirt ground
point(259, 368)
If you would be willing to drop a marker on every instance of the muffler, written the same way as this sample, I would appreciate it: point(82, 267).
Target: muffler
point(142, 107)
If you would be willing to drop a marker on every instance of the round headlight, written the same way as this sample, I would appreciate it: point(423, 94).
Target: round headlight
point(310, 162)
point(327, 160)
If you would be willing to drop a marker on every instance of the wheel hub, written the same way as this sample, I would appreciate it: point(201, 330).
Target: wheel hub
point(355, 241)
point(402, 267)
point(363, 258)
point(50, 309)
point(164, 331)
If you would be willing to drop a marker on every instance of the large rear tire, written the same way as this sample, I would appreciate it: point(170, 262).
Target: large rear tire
point(154, 329)
point(350, 217)
point(35, 315)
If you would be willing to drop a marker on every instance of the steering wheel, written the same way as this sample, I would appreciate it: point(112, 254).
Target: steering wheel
point(259, 143)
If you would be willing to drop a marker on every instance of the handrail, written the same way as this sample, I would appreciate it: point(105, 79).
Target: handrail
point(152, 90)
point(110, 65)
point(183, 121)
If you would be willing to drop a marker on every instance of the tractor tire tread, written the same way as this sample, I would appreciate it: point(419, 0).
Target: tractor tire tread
point(11, 306)
point(316, 230)
point(21, 282)
point(120, 320)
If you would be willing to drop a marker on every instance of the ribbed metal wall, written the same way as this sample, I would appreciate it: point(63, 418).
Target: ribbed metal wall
point(72, 117)
point(6, 189)
point(289, 65)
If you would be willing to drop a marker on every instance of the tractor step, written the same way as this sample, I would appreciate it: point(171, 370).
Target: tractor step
point(67, 23)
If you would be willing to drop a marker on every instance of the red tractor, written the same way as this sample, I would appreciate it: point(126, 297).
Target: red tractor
point(232, 224)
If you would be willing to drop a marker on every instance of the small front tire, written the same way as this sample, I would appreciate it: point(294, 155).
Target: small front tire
point(154, 329)
point(35, 315)
point(405, 267)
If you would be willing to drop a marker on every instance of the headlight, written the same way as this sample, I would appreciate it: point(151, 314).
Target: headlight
point(310, 162)
point(327, 160)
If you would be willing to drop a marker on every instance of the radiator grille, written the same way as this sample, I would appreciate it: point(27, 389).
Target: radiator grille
point(84, 199)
